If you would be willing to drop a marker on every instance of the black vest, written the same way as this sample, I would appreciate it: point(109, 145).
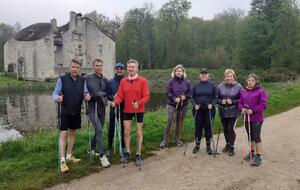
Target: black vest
point(72, 94)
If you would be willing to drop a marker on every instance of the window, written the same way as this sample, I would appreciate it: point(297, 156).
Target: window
point(76, 36)
point(47, 40)
point(79, 49)
point(100, 48)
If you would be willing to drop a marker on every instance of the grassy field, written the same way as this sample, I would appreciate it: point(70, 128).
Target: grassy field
point(31, 162)
point(12, 85)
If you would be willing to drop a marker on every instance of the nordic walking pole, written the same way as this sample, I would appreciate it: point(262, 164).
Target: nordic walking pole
point(115, 132)
point(216, 150)
point(89, 132)
point(243, 145)
point(119, 133)
point(180, 120)
point(58, 127)
point(189, 134)
point(172, 123)
point(211, 127)
point(250, 143)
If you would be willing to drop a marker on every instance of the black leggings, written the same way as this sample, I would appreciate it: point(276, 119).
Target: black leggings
point(229, 133)
point(202, 121)
point(255, 132)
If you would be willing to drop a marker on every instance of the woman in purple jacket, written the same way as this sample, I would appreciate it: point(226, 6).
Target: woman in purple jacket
point(178, 93)
point(253, 102)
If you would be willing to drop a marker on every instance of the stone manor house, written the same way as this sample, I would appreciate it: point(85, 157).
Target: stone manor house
point(44, 50)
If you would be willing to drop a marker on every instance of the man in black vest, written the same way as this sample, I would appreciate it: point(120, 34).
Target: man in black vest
point(69, 92)
point(96, 85)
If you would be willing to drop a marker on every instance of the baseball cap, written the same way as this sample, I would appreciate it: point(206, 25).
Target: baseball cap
point(119, 65)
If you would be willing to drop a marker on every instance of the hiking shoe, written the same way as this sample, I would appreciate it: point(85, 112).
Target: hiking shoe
point(179, 142)
point(257, 161)
point(247, 158)
point(231, 151)
point(126, 157)
point(63, 167)
point(104, 162)
point(92, 152)
point(73, 159)
point(163, 144)
point(225, 149)
point(196, 150)
point(108, 153)
point(138, 160)
point(209, 150)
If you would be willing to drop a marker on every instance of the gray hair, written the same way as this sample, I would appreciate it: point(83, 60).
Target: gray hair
point(133, 61)
point(256, 78)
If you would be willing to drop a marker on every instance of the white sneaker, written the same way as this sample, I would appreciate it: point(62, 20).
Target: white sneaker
point(104, 162)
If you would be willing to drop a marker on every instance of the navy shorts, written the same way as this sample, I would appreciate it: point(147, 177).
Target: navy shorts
point(72, 122)
point(129, 116)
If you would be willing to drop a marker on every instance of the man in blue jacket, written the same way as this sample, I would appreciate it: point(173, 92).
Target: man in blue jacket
point(113, 85)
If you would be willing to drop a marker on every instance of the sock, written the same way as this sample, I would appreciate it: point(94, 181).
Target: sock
point(62, 159)
point(69, 156)
point(253, 151)
point(258, 155)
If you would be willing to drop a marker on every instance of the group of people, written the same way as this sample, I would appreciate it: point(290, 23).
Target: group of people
point(128, 95)
point(231, 100)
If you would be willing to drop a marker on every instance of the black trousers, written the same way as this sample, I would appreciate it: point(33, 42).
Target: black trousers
point(228, 127)
point(112, 120)
point(203, 120)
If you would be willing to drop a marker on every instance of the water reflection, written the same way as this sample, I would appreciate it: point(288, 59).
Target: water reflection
point(28, 113)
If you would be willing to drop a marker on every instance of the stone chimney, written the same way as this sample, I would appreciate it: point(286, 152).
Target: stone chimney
point(73, 20)
point(54, 25)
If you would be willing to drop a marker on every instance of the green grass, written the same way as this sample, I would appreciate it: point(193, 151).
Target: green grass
point(31, 162)
point(12, 85)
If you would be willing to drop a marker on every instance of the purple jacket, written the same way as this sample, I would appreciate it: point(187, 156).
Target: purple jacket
point(256, 100)
point(177, 87)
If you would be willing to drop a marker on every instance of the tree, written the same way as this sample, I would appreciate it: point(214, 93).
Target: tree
point(171, 16)
point(136, 39)
point(6, 32)
point(105, 24)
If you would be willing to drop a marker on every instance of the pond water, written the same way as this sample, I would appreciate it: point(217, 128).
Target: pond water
point(22, 114)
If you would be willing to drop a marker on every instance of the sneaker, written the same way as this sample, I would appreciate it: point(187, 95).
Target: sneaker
point(126, 157)
point(179, 143)
point(257, 161)
point(196, 150)
point(225, 149)
point(63, 167)
point(138, 160)
point(92, 152)
point(231, 151)
point(163, 144)
point(209, 150)
point(104, 162)
point(108, 153)
point(73, 159)
point(247, 158)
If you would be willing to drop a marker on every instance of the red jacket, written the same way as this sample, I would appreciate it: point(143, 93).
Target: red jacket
point(131, 91)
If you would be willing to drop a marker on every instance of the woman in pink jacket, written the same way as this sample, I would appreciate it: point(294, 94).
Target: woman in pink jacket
point(253, 102)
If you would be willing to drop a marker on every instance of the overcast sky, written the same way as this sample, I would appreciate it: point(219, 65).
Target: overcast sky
point(28, 12)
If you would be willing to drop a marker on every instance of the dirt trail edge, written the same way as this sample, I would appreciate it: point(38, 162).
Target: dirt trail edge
point(172, 170)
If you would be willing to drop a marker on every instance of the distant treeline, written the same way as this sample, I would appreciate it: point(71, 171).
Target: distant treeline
point(267, 36)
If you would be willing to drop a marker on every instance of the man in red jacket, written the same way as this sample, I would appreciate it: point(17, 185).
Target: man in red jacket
point(134, 91)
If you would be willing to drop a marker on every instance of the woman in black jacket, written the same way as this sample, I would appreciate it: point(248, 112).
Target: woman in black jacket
point(204, 98)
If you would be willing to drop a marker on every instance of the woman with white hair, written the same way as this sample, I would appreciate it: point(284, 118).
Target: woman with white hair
point(178, 93)
point(228, 98)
